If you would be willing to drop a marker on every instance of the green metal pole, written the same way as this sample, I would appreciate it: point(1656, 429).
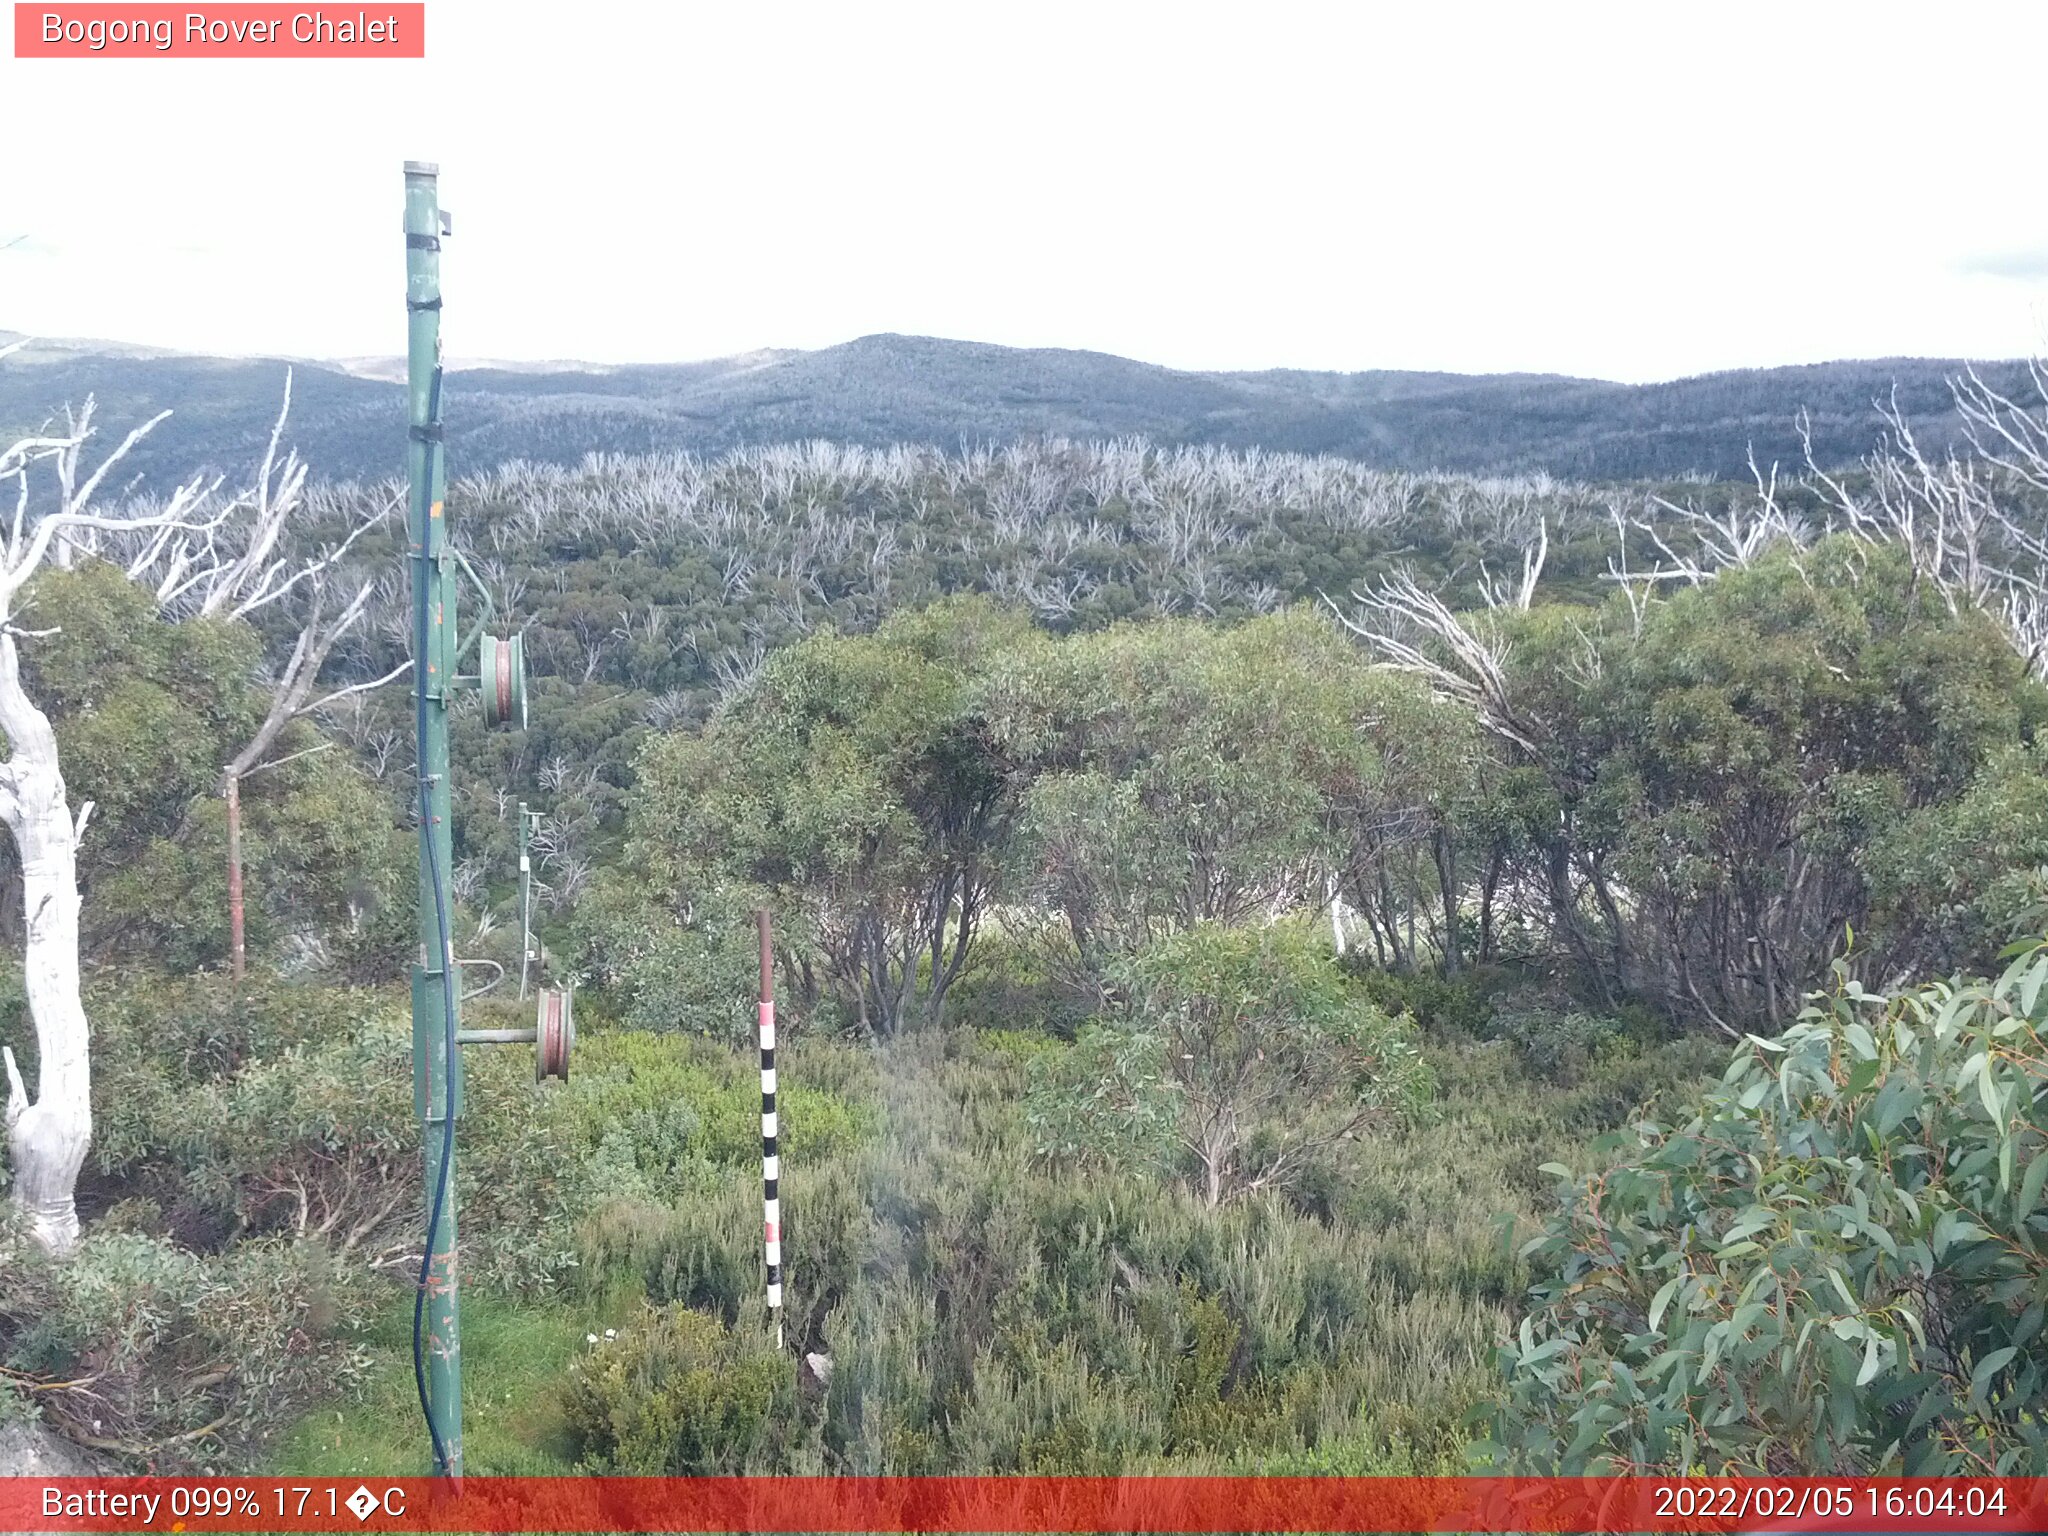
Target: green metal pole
point(436, 987)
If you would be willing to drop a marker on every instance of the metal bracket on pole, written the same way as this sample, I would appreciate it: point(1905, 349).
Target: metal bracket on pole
point(476, 583)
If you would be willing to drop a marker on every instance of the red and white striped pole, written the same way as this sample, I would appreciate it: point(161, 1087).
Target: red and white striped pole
point(771, 1161)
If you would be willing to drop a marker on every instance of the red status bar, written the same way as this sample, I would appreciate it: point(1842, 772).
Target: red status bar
point(1080, 1504)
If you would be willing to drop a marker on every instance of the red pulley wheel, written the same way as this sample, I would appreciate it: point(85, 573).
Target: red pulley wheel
point(555, 1034)
point(503, 681)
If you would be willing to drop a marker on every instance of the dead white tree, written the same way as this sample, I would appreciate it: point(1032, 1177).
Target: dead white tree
point(47, 1136)
point(1971, 523)
point(1414, 630)
point(1522, 595)
point(1637, 587)
point(1736, 538)
point(235, 566)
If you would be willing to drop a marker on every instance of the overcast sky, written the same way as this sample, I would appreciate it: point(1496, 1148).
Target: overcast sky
point(1635, 192)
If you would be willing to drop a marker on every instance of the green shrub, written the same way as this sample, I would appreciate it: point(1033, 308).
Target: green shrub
point(1241, 1051)
point(264, 1109)
point(1437, 1003)
point(157, 1038)
point(1016, 987)
point(679, 1106)
point(223, 1112)
point(1958, 875)
point(1020, 1045)
point(680, 1394)
point(692, 973)
point(152, 1352)
point(522, 1177)
point(1559, 1041)
point(1207, 1414)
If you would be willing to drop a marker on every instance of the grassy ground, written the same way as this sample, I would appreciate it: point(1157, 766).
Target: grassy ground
point(514, 1356)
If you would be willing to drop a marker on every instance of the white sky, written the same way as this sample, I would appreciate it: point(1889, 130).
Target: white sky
point(1636, 191)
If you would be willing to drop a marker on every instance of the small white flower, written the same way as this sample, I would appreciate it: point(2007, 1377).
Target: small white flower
point(590, 1338)
point(611, 1333)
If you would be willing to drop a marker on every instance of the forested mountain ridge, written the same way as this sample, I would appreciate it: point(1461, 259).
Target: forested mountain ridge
point(885, 389)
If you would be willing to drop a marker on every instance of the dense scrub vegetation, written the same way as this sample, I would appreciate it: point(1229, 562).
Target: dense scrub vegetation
point(1216, 1037)
point(1701, 798)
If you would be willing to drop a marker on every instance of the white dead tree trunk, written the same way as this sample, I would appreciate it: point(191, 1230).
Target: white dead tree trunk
point(1523, 594)
point(1333, 889)
point(47, 1136)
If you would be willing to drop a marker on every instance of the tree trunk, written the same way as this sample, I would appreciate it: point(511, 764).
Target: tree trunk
point(1447, 884)
point(1486, 890)
point(235, 908)
point(1390, 913)
point(46, 1139)
point(1414, 891)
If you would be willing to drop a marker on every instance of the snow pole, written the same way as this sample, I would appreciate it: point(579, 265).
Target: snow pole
point(771, 1161)
point(526, 955)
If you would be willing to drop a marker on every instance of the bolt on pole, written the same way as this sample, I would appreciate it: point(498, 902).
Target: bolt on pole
point(436, 988)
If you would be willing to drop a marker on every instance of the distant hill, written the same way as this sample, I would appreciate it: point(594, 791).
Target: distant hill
point(347, 419)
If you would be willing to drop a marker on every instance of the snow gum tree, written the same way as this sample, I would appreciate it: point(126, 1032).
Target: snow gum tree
point(47, 1135)
point(200, 557)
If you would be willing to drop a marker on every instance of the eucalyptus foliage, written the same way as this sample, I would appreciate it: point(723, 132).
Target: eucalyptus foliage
point(851, 784)
point(141, 1348)
point(1177, 773)
point(1839, 1264)
point(1715, 784)
point(147, 713)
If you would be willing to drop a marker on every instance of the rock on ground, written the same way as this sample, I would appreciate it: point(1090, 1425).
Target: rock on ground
point(29, 1450)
